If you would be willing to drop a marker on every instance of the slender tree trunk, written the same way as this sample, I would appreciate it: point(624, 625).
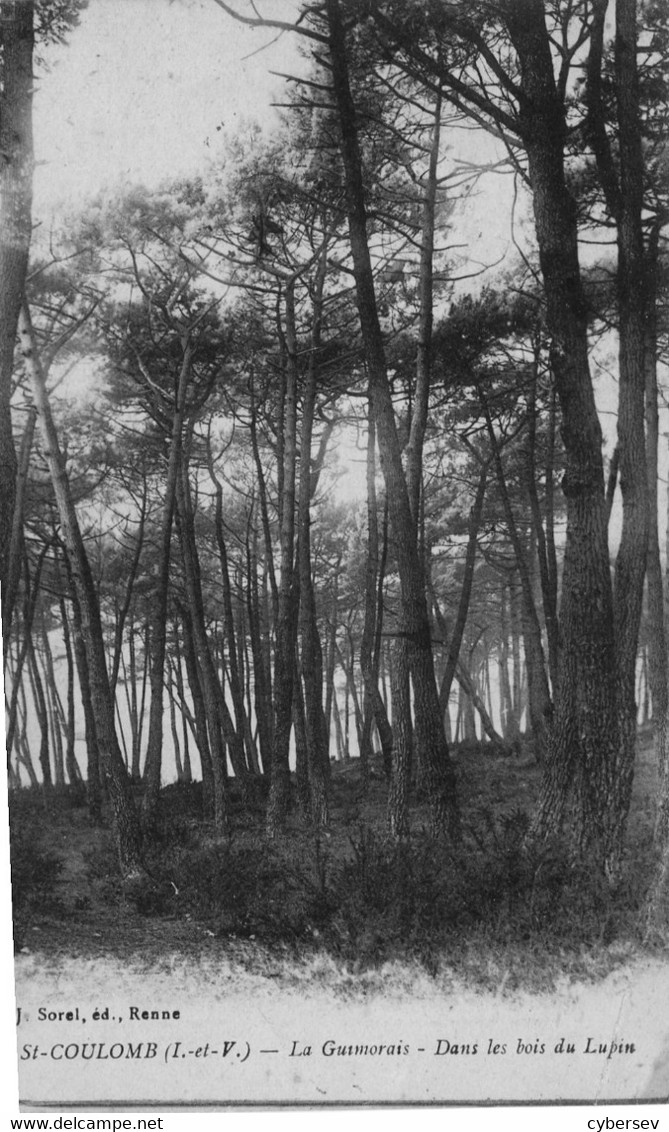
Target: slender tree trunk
point(93, 760)
point(455, 642)
point(152, 768)
point(284, 650)
point(438, 772)
point(127, 596)
point(262, 685)
point(30, 596)
point(235, 680)
point(548, 588)
point(55, 708)
point(540, 706)
point(211, 689)
point(301, 749)
point(374, 707)
point(475, 703)
point(506, 700)
point(39, 704)
point(71, 765)
point(311, 649)
point(632, 305)
point(213, 786)
point(127, 830)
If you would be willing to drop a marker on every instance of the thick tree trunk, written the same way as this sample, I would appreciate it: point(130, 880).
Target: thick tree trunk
point(656, 909)
point(584, 738)
point(16, 175)
point(10, 583)
point(400, 779)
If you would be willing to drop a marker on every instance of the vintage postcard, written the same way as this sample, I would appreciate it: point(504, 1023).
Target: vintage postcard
point(333, 348)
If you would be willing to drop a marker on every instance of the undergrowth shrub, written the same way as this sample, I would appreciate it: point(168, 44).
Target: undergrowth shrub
point(383, 899)
point(255, 890)
point(370, 899)
point(35, 871)
point(423, 897)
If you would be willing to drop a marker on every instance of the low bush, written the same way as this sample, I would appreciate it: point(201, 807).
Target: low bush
point(35, 871)
point(254, 890)
point(382, 899)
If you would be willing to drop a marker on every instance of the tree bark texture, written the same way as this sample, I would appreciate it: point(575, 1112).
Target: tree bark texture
point(16, 176)
point(584, 739)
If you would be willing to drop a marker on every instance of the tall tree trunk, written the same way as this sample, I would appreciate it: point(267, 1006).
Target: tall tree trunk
point(540, 706)
point(30, 596)
point(632, 305)
point(374, 707)
point(152, 768)
point(213, 785)
point(55, 707)
point(16, 177)
point(657, 643)
point(457, 634)
point(217, 724)
point(71, 765)
point(235, 680)
point(584, 737)
point(262, 676)
point(284, 650)
point(438, 775)
point(93, 768)
point(311, 658)
point(400, 779)
point(122, 613)
point(126, 825)
point(15, 549)
point(39, 704)
point(548, 582)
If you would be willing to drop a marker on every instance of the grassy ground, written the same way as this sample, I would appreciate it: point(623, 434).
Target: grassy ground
point(350, 902)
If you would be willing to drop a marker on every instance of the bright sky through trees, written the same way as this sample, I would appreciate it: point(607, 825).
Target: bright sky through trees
point(143, 87)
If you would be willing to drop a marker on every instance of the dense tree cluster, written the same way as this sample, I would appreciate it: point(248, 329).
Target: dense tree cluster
point(188, 549)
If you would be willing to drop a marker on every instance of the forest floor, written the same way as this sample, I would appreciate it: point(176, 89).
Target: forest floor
point(338, 908)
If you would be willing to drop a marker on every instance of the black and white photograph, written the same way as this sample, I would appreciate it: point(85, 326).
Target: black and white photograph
point(334, 451)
